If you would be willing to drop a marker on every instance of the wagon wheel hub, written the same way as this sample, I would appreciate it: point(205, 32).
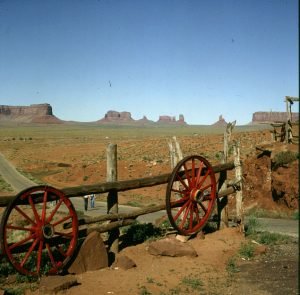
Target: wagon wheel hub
point(196, 195)
point(48, 231)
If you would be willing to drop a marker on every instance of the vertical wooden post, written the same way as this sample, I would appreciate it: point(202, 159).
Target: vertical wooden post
point(222, 203)
point(112, 197)
point(288, 118)
point(239, 193)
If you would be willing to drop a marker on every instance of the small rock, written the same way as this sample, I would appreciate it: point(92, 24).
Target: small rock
point(260, 249)
point(54, 284)
point(123, 262)
point(170, 247)
point(182, 239)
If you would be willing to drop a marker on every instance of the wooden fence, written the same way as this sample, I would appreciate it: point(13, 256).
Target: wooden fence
point(112, 187)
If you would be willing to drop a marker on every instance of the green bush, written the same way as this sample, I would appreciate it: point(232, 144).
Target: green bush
point(138, 233)
point(231, 266)
point(247, 250)
point(284, 158)
point(268, 238)
point(252, 226)
point(194, 283)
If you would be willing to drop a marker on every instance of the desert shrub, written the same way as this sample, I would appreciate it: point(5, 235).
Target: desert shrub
point(6, 268)
point(284, 158)
point(231, 266)
point(247, 250)
point(138, 232)
point(252, 226)
point(268, 238)
point(193, 283)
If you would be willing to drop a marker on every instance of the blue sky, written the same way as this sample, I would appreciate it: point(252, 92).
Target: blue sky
point(199, 58)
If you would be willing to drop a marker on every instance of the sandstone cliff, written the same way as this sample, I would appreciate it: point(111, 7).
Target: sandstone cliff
point(171, 120)
point(117, 117)
point(35, 113)
point(125, 118)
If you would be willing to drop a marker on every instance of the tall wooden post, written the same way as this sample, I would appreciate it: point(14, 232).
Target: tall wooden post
point(222, 203)
point(288, 117)
point(112, 197)
point(239, 193)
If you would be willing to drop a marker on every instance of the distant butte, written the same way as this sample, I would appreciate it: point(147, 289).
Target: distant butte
point(125, 117)
point(43, 114)
point(35, 113)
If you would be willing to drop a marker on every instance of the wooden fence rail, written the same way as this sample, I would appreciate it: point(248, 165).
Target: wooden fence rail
point(119, 186)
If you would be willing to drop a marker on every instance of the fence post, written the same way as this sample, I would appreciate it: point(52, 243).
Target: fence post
point(112, 197)
point(239, 193)
point(222, 203)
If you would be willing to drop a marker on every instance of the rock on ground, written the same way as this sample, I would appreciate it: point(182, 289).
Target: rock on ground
point(92, 255)
point(171, 247)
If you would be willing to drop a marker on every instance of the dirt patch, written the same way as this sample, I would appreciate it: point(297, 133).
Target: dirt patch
point(272, 271)
point(276, 272)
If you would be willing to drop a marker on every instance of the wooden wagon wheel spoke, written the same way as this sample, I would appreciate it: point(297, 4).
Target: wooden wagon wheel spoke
point(62, 220)
point(54, 210)
point(67, 235)
point(31, 229)
point(187, 175)
point(50, 255)
point(186, 204)
point(37, 229)
point(198, 185)
point(39, 257)
point(186, 212)
point(197, 213)
point(185, 218)
point(179, 201)
point(201, 181)
point(44, 206)
point(29, 252)
point(199, 172)
point(182, 181)
point(24, 215)
point(203, 208)
point(12, 246)
point(36, 215)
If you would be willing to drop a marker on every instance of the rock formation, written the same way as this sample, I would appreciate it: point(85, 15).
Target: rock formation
point(35, 113)
point(125, 117)
point(117, 117)
point(259, 117)
point(220, 123)
point(171, 120)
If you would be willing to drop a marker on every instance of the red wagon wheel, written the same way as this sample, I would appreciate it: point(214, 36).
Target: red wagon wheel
point(191, 194)
point(32, 233)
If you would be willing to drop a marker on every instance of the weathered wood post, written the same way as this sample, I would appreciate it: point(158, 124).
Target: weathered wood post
point(175, 152)
point(222, 203)
point(288, 103)
point(239, 192)
point(112, 197)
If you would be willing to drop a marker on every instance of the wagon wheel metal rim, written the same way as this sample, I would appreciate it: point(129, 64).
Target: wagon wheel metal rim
point(191, 194)
point(32, 234)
